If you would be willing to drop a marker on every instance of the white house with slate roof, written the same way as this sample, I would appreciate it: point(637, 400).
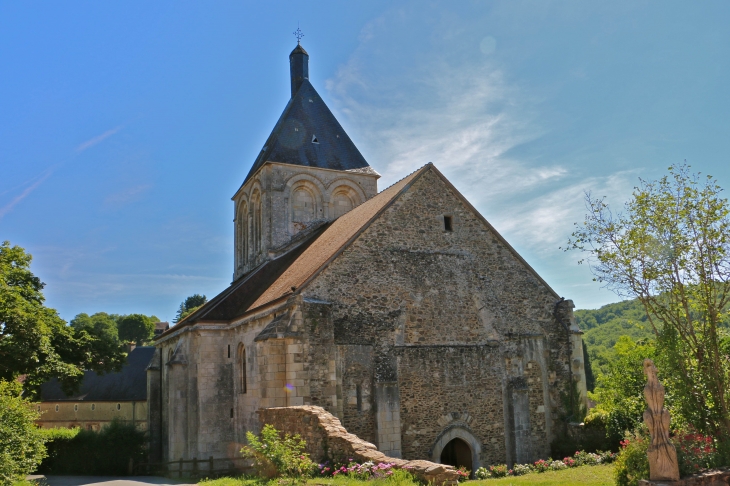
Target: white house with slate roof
point(404, 313)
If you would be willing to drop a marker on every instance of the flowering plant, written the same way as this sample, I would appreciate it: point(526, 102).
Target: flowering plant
point(557, 465)
point(482, 473)
point(520, 469)
point(583, 458)
point(695, 452)
point(570, 462)
point(463, 473)
point(541, 466)
point(364, 471)
point(499, 471)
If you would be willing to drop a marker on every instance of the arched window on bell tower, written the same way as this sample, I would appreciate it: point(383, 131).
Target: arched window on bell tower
point(255, 225)
point(242, 235)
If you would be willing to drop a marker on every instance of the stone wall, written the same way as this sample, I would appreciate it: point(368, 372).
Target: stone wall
point(441, 312)
point(327, 439)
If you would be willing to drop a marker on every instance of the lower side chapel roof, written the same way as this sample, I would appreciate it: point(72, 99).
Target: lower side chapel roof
point(287, 274)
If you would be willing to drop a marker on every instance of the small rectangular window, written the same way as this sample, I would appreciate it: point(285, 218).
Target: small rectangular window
point(448, 226)
point(358, 393)
point(229, 351)
point(231, 413)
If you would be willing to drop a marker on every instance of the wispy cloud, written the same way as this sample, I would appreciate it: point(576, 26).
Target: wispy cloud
point(458, 112)
point(96, 140)
point(26, 192)
point(127, 195)
point(544, 222)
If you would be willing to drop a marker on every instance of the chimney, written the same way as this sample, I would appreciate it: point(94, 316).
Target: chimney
point(298, 67)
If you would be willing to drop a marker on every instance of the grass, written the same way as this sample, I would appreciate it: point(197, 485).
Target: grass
point(579, 476)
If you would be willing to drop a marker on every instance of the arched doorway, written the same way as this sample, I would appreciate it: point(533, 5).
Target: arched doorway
point(457, 446)
point(457, 453)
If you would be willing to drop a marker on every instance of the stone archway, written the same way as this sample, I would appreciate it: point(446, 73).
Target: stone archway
point(453, 444)
point(457, 453)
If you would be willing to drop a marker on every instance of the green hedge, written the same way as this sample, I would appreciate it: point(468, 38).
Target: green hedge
point(107, 452)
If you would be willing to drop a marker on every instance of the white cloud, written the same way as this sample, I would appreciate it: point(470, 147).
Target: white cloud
point(26, 192)
point(98, 139)
point(544, 222)
point(458, 112)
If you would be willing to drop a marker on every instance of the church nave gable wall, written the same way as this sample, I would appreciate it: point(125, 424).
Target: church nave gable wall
point(408, 283)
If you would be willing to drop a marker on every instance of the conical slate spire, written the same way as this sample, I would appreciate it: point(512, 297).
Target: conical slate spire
point(298, 68)
point(307, 132)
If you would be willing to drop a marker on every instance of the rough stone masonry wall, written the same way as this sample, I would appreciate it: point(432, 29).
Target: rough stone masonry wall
point(406, 283)
point(326, 438)
point(462, 382)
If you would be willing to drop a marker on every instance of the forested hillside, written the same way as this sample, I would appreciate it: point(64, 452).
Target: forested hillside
point(604, 326)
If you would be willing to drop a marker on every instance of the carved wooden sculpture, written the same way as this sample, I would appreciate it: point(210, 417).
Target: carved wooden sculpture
point(663, 464)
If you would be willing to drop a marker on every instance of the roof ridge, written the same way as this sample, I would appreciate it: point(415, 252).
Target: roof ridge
point(399, 180)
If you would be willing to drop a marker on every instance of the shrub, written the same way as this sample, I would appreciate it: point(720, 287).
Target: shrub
point(541, 466)
point(21, 446)
point(498, 471)
point(695, 452)
point(583, 458)
point(557, 465)
point(520, 469)
point(106, 452)
point(607, 457)
point(364, 471)
point(631, 462)
point(482, 473)
point(277, 456)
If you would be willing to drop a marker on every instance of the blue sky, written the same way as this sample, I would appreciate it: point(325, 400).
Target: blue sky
point(125, 127)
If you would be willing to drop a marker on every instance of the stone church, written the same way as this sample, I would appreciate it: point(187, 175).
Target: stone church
point(402, 312)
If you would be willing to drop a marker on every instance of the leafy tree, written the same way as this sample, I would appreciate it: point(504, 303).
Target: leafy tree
point(190, 305)
point(619, 392)
point(21, 446)
point(670, 249)
point(136, 328)
point(101, 325)
point(34, 340)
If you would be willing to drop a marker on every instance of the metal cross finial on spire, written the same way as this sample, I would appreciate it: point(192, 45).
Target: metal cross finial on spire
point(298, 34)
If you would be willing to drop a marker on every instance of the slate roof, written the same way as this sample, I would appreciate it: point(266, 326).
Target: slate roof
point(290, 272)
point(126, 385)
point(238, 298)
point(292, 141)
point(284, 275)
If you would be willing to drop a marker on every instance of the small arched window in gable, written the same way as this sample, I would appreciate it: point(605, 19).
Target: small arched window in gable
point(242, 367)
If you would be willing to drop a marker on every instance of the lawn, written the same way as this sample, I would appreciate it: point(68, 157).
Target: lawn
point(578, 476)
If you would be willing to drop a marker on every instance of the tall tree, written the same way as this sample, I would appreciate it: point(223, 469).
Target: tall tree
point(670, 249)
point(34, 340)
point(101, 325)
point(190, 305)
point(136, 328)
